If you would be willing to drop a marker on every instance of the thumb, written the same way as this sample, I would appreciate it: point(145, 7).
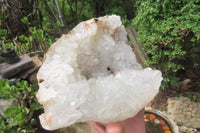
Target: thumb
point(96, 127)
point(114, 128)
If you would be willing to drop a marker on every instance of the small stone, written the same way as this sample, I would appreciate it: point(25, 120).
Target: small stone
point(146, 120)
point(184, 129)
point(186, 81)
point(165, 128)
point(162, 122)
point(156, 121)
point(167, 131)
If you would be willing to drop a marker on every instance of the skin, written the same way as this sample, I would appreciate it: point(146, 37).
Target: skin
point(131, 125)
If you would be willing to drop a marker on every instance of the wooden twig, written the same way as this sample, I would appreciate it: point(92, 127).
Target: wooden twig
point(71, 9)
point(59, 13)
point(83, 4)
point(76, 8)
point(14, 41)
point(63, 8)
point(165, 43)
point(183, 32)
point(179, 25)
point(36, 52)
point(30, 115)
point(52, 11)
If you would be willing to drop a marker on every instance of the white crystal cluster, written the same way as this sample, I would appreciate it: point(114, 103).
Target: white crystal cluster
point(92, 74)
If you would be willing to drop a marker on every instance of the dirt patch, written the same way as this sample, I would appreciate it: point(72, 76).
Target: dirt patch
point(160, 100)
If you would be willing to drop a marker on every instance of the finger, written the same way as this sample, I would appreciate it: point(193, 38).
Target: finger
point(114, 128)
point(96, 127)
point(135, 124)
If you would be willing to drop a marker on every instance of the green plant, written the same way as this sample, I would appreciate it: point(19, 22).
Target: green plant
point(20, 118)
point(192, 97)
point(5, 43)
point(169, 30)
point(121, 8)
point(35, 41)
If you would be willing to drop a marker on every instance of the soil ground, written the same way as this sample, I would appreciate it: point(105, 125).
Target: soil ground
point(190, 90)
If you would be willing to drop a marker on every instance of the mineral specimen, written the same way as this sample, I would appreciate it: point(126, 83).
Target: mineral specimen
point(92, 74)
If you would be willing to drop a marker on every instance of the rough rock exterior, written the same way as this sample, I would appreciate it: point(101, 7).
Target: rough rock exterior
point(184, 112)
point(92, 74)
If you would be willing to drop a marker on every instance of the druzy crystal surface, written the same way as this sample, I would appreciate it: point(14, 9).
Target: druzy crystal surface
point(91, 73)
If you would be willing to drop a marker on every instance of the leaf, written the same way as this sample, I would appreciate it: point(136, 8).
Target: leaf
point(17, 115)
point(3, 32)
point(33, 121)
point(24, 20)
point(23, 84)
point(2, 125)
point(30, 38)
point(36, 105)
point(12, 122)
point(22, 38)
point(194, 98)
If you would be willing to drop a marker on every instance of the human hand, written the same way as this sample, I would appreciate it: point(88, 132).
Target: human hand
point(131, 125)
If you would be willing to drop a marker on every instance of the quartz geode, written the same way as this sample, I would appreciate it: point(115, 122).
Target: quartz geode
point(92, 74)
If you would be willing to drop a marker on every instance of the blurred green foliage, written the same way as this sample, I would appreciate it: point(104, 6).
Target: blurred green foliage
point(169, 31)
point(20, 118)
point(32, 28)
